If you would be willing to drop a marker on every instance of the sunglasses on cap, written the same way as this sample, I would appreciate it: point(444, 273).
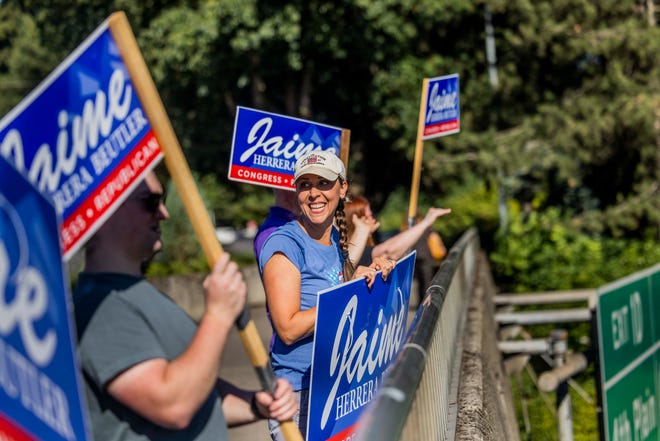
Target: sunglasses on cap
point(151, 202)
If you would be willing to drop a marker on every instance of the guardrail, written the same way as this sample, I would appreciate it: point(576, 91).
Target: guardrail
point(418, 398)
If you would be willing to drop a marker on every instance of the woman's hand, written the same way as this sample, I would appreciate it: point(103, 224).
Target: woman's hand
point(383, 264)
point(367, 223)
point(434, 213)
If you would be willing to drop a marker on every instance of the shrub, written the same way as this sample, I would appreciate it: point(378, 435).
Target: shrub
point(540, 251)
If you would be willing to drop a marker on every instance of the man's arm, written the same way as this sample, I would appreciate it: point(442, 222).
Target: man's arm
point(242, 406)
point(169, 393)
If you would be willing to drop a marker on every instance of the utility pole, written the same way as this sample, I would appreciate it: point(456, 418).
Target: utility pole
point(650, 10)
point(491, 56)
point(491, 59)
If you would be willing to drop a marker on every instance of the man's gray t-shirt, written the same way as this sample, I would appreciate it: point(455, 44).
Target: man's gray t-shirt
point(124, 320)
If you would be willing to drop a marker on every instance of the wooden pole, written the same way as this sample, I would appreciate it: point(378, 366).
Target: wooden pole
point(419, 151)
point(344, 146)
point(180, 172)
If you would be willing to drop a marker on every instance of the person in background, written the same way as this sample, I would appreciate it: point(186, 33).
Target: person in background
point(151, 372)
point(362, 225)
point(251, 229)
point(430, 252)
point(303, 257)
point(285, 209)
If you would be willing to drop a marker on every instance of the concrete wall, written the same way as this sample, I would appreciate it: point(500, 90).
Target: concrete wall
point(187, 291)
point(485, 404)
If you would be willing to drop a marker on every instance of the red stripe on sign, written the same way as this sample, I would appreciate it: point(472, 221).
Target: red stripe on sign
point(441, 128)
point(248, 174)
point(345, 435)
point(11, 432)
point(107, 192)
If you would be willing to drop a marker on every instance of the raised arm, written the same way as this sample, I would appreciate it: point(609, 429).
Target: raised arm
point(396, 246)
point(364, 227)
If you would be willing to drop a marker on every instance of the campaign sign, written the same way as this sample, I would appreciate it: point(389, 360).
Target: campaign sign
point(82, 137)
point(442, 110)
point(358, 334)
point(40, 392)
point(266, 146)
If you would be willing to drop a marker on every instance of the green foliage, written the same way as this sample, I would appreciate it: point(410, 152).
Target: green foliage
point(181, 252)
point(585, 418)
point(540, 252)
point(254, 202)
point(472, 204)
point(540, 406)
point(574, 116)
point(22, 58)
point(394, 213)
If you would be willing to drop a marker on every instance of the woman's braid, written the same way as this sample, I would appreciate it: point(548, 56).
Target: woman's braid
point(340, 218)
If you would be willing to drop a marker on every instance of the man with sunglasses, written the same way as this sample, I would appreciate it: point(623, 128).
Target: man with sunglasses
point(150, 371)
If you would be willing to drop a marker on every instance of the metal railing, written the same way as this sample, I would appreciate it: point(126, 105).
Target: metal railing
point(417, 400)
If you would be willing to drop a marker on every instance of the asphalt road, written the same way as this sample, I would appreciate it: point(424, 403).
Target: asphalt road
point(236, 368)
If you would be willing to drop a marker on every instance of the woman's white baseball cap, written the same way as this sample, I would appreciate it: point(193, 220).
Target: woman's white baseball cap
point(322, 163)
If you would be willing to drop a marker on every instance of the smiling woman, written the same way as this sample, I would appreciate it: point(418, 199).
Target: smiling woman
point(303, 257)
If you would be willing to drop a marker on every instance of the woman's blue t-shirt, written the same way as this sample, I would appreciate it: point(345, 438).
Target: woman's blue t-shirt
point(321, 267)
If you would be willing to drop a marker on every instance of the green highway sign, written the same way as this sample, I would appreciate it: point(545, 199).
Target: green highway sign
point(629, 350)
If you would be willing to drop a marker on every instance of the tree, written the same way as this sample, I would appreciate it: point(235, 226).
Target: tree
point(573, 123)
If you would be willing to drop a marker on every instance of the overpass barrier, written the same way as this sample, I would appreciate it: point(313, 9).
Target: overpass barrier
point(447, 381)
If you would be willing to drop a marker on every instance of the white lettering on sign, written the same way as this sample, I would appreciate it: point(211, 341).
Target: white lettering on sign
point(355, 398)
point(351, 358)
point(71, 189)
point(637, 318)
point(35, 391)
point(118, 140)
point(260, 176)
point(275, 146)
point(621, 430)
point(268, 161)
point(77, 135)
point(125, 175)
point(627, 322)
point(620, 327)
point(644, 412)
point(29, 304)
point(440, 102)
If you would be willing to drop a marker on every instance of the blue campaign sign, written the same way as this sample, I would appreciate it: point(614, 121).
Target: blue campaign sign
point(442, 113)
point(40, 391)
point(358, 334)
point(266, 146)
point(82, 137)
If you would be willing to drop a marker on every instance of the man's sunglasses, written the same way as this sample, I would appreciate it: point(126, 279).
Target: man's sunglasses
point(152, 201)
